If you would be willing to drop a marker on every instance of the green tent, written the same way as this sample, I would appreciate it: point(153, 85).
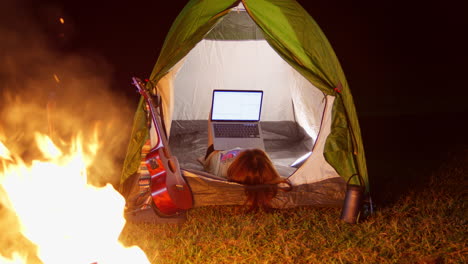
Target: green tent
point(268, 45)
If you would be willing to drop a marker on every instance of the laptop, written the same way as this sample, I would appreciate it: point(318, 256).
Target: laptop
point(235, 119)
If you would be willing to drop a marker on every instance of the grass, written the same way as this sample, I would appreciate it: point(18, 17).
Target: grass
point(428, 225)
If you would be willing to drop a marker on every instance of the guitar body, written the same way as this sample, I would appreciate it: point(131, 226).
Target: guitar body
point(169, 190)
point(168, 196)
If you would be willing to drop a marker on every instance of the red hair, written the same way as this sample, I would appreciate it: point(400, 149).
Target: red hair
point(253, 167)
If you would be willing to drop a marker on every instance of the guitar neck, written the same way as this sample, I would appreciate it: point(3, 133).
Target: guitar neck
point(161, 135)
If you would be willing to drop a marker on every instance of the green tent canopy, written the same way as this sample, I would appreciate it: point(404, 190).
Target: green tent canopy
point(268, 45)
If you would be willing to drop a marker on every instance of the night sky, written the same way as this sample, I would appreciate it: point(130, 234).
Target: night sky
point(399, 57)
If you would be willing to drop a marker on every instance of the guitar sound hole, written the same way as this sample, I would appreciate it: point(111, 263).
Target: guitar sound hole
point(171, 166)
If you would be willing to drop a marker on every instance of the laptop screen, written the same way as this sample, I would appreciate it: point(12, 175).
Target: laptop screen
point(235, 105)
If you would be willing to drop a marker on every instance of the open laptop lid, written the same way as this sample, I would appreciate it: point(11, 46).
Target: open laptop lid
point(236, 105)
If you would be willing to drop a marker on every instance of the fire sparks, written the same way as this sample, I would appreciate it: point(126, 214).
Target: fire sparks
point(56, 78)
point(62, 21)
point(68, 220)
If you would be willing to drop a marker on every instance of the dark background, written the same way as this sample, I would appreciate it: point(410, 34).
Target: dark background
point(399, 57)
point(405, 63)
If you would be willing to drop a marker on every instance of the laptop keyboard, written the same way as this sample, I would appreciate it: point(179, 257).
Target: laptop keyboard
point(236, 130)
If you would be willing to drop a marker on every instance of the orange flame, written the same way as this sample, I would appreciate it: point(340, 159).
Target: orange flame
point(4, 152)
point(69, 220)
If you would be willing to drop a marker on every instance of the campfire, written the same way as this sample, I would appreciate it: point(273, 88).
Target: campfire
point(50, 204)
point(55, 206)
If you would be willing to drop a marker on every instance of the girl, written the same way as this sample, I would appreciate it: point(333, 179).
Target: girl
point(251, 167)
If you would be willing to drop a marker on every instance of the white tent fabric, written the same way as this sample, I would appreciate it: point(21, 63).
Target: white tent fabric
point(316, 168)
point(232, 65)
point(242, 65)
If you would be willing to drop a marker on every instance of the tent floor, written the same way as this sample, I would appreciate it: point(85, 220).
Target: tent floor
point(284, 142)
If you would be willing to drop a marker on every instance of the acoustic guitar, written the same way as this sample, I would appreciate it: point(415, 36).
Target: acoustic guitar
point(169, 190)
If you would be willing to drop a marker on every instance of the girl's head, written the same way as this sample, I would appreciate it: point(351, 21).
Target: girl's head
point(253, 167)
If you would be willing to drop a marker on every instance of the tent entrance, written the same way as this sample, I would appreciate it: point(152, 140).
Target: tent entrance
point(235, 56)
